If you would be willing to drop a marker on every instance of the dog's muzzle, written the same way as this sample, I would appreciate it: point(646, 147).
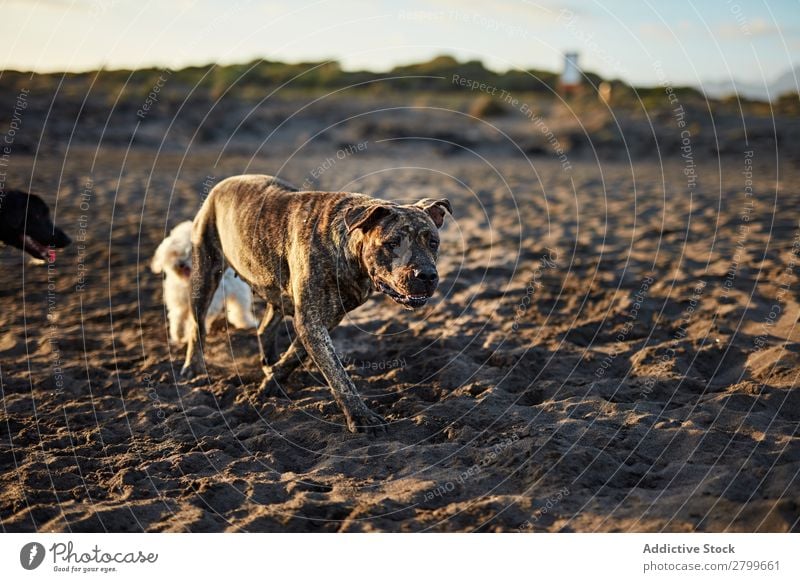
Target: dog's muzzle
point(184, 269)
point(407, 300)
point(36, 249)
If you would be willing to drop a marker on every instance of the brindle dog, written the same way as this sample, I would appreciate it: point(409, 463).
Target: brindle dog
point(314, 256)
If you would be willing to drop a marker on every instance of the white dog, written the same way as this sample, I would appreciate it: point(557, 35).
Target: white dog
point(233, 296)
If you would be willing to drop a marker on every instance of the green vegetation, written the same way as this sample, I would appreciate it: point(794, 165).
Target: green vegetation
point(435, 75)
point(428, 83)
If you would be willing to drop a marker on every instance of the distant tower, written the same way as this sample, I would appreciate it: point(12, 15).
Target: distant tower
point(570, 81)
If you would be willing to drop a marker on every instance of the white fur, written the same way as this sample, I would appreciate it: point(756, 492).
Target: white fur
point(232, 298)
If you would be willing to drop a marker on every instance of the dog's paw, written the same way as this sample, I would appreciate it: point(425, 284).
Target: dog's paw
point(270, 386)
point(187, 373)
point(258, 397)
point(252, 396)
point(366, 421)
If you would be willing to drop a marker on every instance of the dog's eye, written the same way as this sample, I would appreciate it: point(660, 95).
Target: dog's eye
point(434, 244)
point(391, 244)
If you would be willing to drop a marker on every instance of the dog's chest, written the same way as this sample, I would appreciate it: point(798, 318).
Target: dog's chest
point(356, 294)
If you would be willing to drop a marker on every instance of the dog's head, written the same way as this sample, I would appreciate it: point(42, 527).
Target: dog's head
point(399, 247)
point(174, 254)
point(25, 224)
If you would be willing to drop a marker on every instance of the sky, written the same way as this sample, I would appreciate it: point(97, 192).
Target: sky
point(642, 42)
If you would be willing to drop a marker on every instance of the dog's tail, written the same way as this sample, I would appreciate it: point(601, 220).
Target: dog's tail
point(207, 257)
point(204, 225)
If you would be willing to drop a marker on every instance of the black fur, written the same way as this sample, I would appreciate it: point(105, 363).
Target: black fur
point(25, 224)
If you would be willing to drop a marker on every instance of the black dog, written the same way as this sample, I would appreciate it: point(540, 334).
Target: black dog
point(25, 224)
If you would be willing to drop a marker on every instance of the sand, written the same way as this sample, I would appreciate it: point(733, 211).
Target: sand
point(613, 347)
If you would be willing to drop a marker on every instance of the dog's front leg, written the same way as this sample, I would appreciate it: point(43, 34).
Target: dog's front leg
point(318, 344)
point(266, 332)
point(279, 372)
point(178, 319)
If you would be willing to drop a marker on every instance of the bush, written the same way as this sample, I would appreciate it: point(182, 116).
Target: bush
point(484, 106)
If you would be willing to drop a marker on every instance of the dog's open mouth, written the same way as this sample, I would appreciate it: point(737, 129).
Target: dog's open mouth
point(37, 249)
point(407, 301)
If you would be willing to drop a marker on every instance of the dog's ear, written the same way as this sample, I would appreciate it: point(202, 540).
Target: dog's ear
point(13, 209)
point(436, 209)
point(157, 264)
point(365, 217)
point(37, 207)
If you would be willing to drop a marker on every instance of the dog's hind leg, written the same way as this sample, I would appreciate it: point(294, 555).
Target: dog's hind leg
point(207, 269)
point(239, 312)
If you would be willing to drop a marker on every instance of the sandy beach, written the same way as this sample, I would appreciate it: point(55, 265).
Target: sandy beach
point(613, 346)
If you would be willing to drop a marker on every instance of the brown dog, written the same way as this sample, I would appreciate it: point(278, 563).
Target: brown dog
point(314, 256)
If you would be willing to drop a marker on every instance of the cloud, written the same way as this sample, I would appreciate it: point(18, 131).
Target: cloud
point(664, 31)
point(755, 28)
point(531, 11)
point(58, 4)
point(758, 27)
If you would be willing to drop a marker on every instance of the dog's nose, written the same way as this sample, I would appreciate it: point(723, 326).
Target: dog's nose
point(426, 274)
